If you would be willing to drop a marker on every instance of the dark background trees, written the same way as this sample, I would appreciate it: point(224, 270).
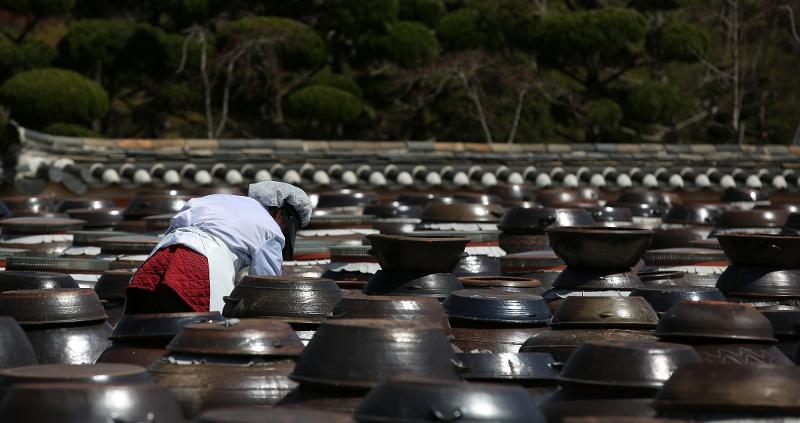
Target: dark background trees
point(501, 71)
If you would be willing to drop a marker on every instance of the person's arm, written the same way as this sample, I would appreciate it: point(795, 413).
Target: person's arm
point(268, 260)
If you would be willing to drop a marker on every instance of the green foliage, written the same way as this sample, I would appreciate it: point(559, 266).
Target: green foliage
point(70, 130)
point(38, 7)
point(678, 41)
point(654, 102)
point(604, 113)
point(358, 16)
point(42, 96)
point(35, 54)
point(574, 36)
point(508, 23)
point(327, 78)
point(298, 45)
point(461, 30)
point(10, 56)
point(426, 11)
point(92, 42)
point(410, 44)
point(659, 5)
point(324, 104)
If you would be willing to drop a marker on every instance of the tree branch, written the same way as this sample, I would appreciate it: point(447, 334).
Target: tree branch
point(792, 24)
point(517, 113)
point(472, 93)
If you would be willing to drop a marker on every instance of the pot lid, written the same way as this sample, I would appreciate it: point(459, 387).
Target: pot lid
point(599, 247)
point(130, 244)
point(83, 403)
point(436, 285)
point(112, 284)
point(461, 213)
point(423, 199)
point(149, 204)
point(83, 203)
point(19, 280)
point(490, 305)
point(531, 219)
point(610, 214)
point(604, 312)
point(473, 236)
point(159, 222)
point(257, 414)
point(513, 366)
point(96, 218)
point(345, 198)
point(620, 364)
point(499, 282)
point(748, 249)
point(101, 373)
point(52, 306)
point(597, 280)
point(664, 297)
point(714, 320)
point(411, 308)
point(394, 209)
point(29, 205)
point(756, 218)
point(759, 282)
point(529, 260)
point(359, 353)
point(784, 319)
point(557, 196)
point(163, 326)
point(732, 388)
point(251, 337)
point(421, 400)
point(290, 299)
point(39, 225)
point(682, 256)
point(512, 192)
point(694, 214)
point(56, 264)
point(743, 195)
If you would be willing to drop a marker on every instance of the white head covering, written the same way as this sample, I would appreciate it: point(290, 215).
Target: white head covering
point(276, 194)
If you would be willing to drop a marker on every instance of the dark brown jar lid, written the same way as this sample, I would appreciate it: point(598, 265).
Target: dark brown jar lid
point(29, 206)
point(731, 388)
point(761, 250)
point(83, 403)
point(96, 218)
point(743, 195)
point(290, 299)
point(714, 320)
point(358, 353)
point(11, 280)
point(417, 254)
point(535, 220)
point(471, 282)
point(130, 244)
point(345, 198)
point(56, 264)
point(275, 415)
point(756, 218)
point(251, 337)
point(588, 279)
point(159, 222)
point(339, 221)
point(84, 203)
point(694, 214)
point(599, 247)
point(411, 308)
point(529, 261)
point(604, 312)
point(112, 284)
point(392, 210)
point(414, 400)
point(149, 204)
point(162, 326)
point(619, 365)
point(473, 236)
point(490, 305)
point(710, 243)
point(39, 225)
point(103, 373)
point(461, 213)
point(508, 366)
point(682, 256)
point(52, 306)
